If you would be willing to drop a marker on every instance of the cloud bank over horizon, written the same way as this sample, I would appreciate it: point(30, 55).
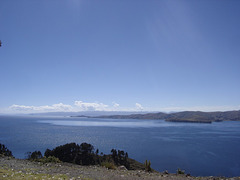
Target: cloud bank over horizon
point(80, 106)
point(139, 106)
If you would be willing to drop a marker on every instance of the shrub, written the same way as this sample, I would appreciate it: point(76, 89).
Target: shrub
point(73, 153)
point(179, 171)
point(148, 166)
point(5, 151)
point(65, 153)
point(48, 152)
point(120, 158)
point(49, 159)
point(108, 165)
point(84, 154)
point(34, 155)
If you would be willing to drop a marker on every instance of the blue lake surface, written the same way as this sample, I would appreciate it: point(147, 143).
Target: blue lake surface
point(199, 149)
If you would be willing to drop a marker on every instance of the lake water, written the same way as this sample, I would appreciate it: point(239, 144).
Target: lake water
point(199, 149)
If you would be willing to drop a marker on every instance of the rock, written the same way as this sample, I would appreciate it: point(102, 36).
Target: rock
point(165, 172)
point(122, 168)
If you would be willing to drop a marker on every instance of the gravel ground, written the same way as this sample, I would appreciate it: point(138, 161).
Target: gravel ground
point(11, 168)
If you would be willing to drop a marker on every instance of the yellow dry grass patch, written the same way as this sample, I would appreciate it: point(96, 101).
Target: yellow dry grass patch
point(10, 174)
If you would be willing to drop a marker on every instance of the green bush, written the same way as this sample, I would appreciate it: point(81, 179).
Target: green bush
point(34, 155)
point(82, 154)
point(49, 159)
point(108, 165)
point(73, 153)
point(179, 171)
point(4, 151)
point(148, 166)
point(120, 158)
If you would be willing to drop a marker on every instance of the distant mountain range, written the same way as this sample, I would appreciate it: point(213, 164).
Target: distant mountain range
point(185, 116)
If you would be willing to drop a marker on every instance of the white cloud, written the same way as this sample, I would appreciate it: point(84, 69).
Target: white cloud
point(85, 106)
point(21, 107)
point(95, 106)
point(116, 105)
point(78, 106)
point(55, 107)
point(75, 107)
point(139, 106)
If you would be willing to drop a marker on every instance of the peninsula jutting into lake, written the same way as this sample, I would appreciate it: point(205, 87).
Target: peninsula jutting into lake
point(185, 116)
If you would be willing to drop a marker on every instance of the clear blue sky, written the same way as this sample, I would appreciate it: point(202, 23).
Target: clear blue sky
point(112, 54)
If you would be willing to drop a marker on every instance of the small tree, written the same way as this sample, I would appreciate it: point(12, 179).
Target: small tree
point(114, 155)
point(48, 153)
point(179, 171)
point(97, 151)
point(5, 151)
point(148, 166)
point(34, 155)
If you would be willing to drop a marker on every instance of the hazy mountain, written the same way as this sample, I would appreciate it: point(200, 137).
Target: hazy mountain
point(185, 116)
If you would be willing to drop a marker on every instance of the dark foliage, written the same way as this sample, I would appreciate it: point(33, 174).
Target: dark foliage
point(5, 151)
point(120, 158)
point(34, 155)
point(48, 153)
point(73, 153)
point(179, 171)
point(147, 165)
point(84, 154)
point(97, 151)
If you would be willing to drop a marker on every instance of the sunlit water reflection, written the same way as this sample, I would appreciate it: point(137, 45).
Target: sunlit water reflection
point(200, 149)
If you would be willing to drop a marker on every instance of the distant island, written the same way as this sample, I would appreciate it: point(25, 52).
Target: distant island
point(185, 116)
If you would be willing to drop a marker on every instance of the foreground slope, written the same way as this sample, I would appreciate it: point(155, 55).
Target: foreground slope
point(11, 168)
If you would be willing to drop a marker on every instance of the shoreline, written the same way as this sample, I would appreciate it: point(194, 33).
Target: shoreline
point(184, 116)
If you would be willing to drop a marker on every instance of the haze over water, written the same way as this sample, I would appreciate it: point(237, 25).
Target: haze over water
point(199, 149)
point(123, 56)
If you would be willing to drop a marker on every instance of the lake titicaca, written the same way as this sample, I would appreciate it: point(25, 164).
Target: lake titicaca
point(199, 149)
